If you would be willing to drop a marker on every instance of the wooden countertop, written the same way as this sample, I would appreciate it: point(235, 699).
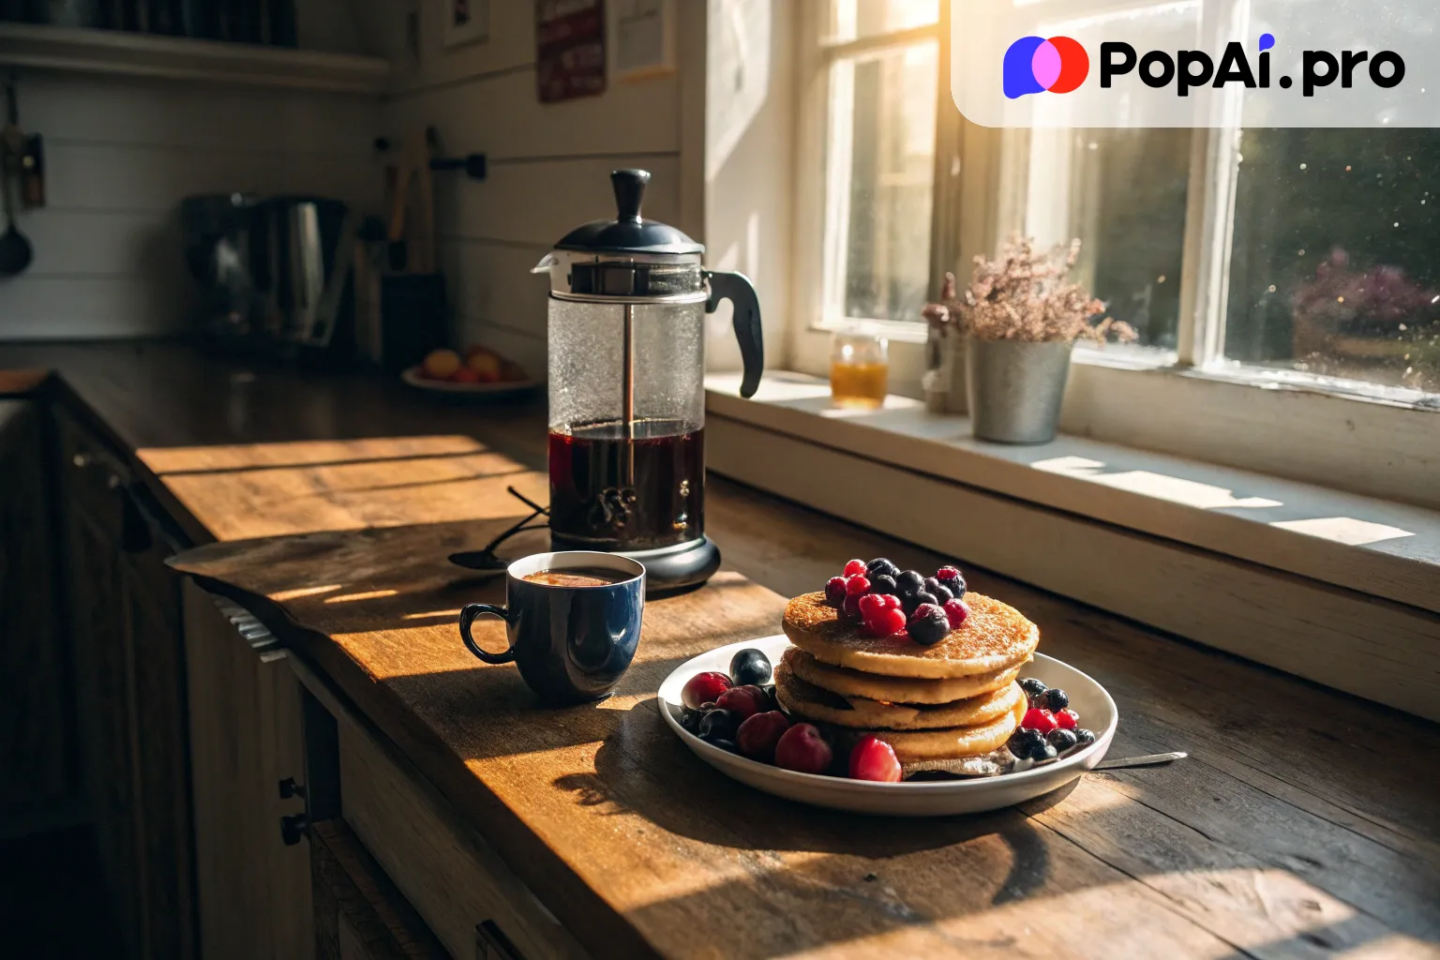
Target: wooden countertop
point(1303, 824)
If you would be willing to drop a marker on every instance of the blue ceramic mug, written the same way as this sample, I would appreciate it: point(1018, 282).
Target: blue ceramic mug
point(572, 641)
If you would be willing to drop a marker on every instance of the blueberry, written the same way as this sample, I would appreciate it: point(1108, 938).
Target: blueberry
point(1062, 740)
point(750, 666)
point(932, 585)
point(690, 720)
point(929, 629)
point(1055, 700)
point(718, 724)
point(957, 587)
point(881, 567)
point(1084, 737)
point(1023, 742)
point(727, 745)
point(909, 582)
point(942, 593)
point(925, 596)
point(883, 583)
point(1033, 687)
point(1044, 752)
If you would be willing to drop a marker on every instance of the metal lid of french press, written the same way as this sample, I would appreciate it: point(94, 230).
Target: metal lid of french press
point(629, 232)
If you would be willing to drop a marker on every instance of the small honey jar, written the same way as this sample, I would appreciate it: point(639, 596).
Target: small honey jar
point(859, 370)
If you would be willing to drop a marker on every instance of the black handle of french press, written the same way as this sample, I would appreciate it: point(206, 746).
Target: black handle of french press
point(737, 288)
point(629, 192)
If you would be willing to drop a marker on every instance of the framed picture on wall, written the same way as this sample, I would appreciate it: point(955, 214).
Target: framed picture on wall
point(465, 21)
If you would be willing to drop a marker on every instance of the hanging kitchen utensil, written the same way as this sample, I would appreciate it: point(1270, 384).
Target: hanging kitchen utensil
point(32, 167)
point(15, 251)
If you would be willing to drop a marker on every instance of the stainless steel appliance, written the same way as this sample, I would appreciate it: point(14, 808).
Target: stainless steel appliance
point(275, 273)
point(628, 299)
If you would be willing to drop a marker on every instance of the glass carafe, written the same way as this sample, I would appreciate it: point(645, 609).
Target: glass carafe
point(626, 378)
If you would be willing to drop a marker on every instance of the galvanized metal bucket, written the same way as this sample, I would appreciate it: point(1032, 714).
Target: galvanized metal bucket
point(1015, 388)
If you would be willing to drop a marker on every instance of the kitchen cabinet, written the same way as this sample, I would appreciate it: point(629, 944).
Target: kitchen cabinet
point(37, 773)
point(247, 772)
point(129, 679)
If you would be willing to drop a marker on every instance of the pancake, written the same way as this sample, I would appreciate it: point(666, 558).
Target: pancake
point(800, 697)
point(853, 683)
point(994, 638)
point(952, 743)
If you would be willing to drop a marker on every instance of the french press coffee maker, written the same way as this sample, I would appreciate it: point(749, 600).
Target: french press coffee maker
point(628, 299)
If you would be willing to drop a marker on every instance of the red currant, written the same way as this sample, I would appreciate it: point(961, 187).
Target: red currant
point(1038, 719)
point(1067, 720)
point(892, 602)
point(874, 759)
point(854, 568)
point(871, 604)
point(835, 591)
point(850, 609)
point(887, 622)
point(947, 573)
point(857, 585)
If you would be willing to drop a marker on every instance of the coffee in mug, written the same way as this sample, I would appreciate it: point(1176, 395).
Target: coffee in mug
point(577, 577)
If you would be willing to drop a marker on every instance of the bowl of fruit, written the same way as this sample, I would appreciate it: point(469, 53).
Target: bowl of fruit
point(725, 706)
point(480, 372)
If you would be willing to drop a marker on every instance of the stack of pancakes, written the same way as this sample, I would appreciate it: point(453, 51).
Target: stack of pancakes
point(949, 701)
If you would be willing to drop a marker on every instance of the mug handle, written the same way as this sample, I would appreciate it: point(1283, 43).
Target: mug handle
point(467, 618)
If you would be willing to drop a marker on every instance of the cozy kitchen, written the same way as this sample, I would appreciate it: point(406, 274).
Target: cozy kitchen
point(528, 479)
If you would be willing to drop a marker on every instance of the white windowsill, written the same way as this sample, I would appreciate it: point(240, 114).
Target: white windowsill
point(1373, 546)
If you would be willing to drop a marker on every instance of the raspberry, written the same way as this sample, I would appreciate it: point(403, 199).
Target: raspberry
point(835, 591)
point(1067, 720)
point(857, 585)
point(1038, 719)
point(854, 568)
point(957, 612)
point(947, 573)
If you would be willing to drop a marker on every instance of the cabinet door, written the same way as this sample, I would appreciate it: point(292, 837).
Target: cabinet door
point(246, 737)
point(150, 607)
point(35, 756)
point(102, 680)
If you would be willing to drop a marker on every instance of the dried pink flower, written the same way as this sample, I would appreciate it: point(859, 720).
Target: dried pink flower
point(1025, 295)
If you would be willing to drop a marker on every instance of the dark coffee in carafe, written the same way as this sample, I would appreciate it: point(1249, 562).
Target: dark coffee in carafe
point(609, 490)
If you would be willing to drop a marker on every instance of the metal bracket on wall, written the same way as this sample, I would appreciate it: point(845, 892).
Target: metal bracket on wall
point(475, 165)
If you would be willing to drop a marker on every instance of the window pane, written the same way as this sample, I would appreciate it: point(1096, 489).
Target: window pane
point(1122, 192)
point(880, 175)
point(1334, 269)
point(853, 19)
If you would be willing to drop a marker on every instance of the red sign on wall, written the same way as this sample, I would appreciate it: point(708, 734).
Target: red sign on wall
point(570, 49)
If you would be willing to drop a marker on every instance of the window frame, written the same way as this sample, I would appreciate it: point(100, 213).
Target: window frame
point(1286, 423)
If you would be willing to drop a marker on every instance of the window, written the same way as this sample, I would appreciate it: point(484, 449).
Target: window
point(882, 72)
point(1297, 260)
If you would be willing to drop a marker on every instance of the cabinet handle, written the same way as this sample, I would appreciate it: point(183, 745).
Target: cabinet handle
point(82, 460)
point(293, 827)
point(289, 788)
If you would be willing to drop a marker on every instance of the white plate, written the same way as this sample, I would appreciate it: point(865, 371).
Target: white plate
point(416, 378)
point(925, 799)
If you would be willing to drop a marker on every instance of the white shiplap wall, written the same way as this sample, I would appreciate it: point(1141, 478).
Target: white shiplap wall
point(549, 165)
point(121, 154)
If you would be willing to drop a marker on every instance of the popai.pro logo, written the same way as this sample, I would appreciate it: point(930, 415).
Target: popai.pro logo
point(1035, 64)
point(1060, 65)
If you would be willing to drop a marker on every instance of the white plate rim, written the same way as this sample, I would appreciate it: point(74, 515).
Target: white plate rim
point(844, 783)
point(413, 377)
